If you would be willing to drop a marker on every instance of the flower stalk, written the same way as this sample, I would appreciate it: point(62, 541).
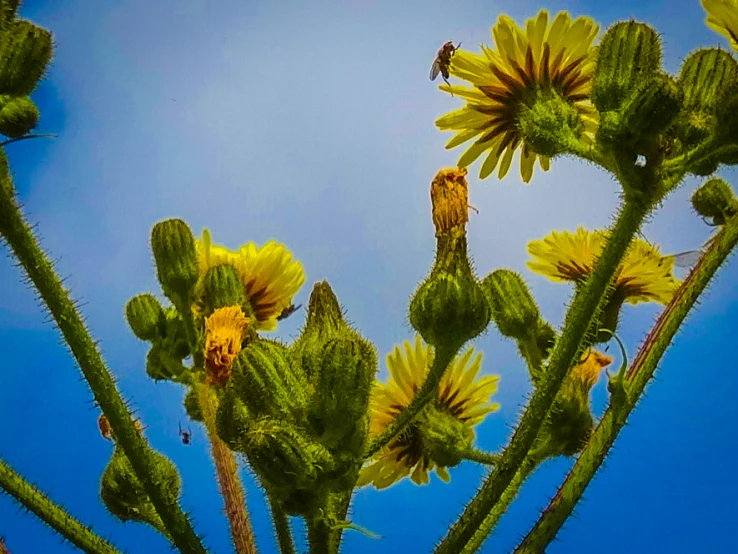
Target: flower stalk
point(578, 322)
point(40, 271)
point(226, 468)
point(281, 527)
point(51, 514)
point(639, 374)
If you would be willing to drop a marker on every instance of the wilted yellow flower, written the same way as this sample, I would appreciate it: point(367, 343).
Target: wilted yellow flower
point(450, 199)
point(224, 333)
point(587, 372)
point(556, 58)
point(722, 17)
point(644, 274)
point(270, 276)
point(460, 394)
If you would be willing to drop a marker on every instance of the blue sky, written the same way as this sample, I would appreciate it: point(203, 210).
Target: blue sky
point(313, 123)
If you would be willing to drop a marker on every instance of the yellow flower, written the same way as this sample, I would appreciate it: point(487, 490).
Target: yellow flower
point(556, 58)
point(224, 333)
point(587, 372)
point(450, 199)
point(459, 394)
point(644, 274)
point(270, 276)
point(722, 17)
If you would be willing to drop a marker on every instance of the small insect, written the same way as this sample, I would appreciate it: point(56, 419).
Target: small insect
point(288, 311)
point(186, 435)
point(443, 60)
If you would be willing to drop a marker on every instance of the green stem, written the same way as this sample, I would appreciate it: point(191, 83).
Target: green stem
point(281, 527)
point(425, 394)
point(321, 537)
point(24, 245)
point(579, 319)
point(52, 514)
point(500, 508)
point(640, 373)
point(481, 457)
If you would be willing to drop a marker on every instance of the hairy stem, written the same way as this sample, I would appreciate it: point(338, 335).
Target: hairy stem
point(579, 319)
point(51, 514)
point(640, 373)
point(500, 508)
point(321, 538)
point(281, 527)
point(425, 394)
point(40, 271)
point(226, 468)
point(481, 457)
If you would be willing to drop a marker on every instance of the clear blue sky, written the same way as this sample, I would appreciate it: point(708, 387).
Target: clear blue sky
point(313, 123)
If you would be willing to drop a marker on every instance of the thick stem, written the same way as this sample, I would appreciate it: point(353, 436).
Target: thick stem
point(425, 394)
point(281, 527)
point(500, 508)
point(579, 319)
point(51, 514)
point(321, 538)
point(226, 469)
point(39, 269)
point(640, 373)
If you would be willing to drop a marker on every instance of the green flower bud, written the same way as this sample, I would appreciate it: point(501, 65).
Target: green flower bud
point(550, 124)
point(629, 54)
point(514, 310)
point(25, 52)
point(445, 438)
point(264, 380)
point(18, 116)
point(175, 256)
point(324, 322)
point(715, 200)
point(341, 398)
point(146, 317)
point(285, 456)
point(221, 286)
point(651, 110)
point(192, 406)
point(160, 366)
point(124, 495)
point(175, 338)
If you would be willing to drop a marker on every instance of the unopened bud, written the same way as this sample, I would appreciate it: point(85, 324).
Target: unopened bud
point(628, 55)
point(146, 317)
point(266, 382)
point(161, 365)
point(18, 116)
point(715, 200)
point(174, 252)
point(221, 286)
point(514, 310)
point(25, 52)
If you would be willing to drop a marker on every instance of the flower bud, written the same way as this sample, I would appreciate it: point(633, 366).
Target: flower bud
point(715, 200)
point(161, 365)
point(267, 384)
point(18, 116)
point(341, 398)
point(221, 286)
point(286, 456)
point(324, 322)
point(449, 307)
point(445, 438)
point(25, 52)
point(650, 111)
point(174, 252)
point(514, 310)
point(124, 495)
point(146, 317)
point(628, 55)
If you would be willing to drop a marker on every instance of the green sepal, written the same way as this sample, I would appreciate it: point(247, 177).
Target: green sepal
point(450, 307)
point(124, 495)
point(25, 52)
point(19, 115)
point(550, 124)
point(146, 317)
point(445, 439)
point(715, 200)
point(628, 55)
point(263, 378)
point(173, 246)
